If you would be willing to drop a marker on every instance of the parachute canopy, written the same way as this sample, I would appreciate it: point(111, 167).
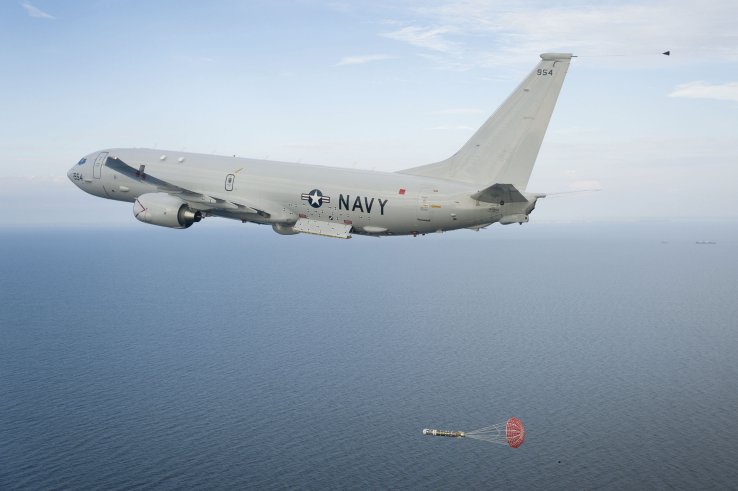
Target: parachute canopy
point(514, 432)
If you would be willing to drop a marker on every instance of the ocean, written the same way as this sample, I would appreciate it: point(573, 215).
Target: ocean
point(226, 356)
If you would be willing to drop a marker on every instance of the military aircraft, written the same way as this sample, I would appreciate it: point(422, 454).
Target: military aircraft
point(481, 184)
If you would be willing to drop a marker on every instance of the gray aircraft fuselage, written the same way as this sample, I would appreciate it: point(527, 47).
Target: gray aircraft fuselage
point(373, 203)
point(483, 183)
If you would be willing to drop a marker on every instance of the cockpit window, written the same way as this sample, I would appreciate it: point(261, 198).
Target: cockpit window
point(82, 161)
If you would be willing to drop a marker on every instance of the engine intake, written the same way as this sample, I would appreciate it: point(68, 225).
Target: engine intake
point(164, 210)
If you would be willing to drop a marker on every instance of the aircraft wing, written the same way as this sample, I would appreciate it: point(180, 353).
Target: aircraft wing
point(201, 201)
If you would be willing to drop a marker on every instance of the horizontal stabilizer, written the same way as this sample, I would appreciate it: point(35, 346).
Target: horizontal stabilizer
point(500, 193)
point(326, 229)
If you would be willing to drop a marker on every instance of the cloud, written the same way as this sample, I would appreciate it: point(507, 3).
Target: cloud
point(36, 12)
point(585, 185)
point(424, 37)
point(359, 60)
point(703, 90)
point(506, 32)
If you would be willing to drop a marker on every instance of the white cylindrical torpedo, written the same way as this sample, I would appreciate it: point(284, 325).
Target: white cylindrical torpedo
point(452, 434)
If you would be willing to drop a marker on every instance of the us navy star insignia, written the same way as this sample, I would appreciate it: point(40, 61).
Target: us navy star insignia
point(315, 198)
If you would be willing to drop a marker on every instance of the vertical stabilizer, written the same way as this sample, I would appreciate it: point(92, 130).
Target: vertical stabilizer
point(505, 148)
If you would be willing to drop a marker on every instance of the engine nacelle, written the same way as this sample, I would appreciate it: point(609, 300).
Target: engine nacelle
point(283, 229)
point(164, 210)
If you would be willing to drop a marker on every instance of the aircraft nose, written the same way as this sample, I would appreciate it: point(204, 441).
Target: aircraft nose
point(73, 175)
point(76, 173)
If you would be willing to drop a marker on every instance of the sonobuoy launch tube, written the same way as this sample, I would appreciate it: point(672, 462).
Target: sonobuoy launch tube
point(452, 434)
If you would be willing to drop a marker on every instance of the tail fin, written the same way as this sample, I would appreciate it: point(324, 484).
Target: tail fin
point(505, 148)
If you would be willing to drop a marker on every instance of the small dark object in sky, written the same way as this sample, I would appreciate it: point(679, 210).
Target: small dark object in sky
point(667, 53)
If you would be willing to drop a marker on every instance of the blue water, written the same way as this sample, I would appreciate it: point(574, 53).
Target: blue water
point(230, 357)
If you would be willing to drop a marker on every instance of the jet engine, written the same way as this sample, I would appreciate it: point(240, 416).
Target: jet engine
point(283, 229)
point(165, 210)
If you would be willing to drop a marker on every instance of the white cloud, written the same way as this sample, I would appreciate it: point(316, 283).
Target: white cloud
point(358, 60)
point(703, 90)
point(424, 37)
point(505, 32)
point(35, 11)
point(585, 185)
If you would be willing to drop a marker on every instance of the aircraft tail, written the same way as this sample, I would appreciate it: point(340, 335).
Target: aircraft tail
point(505, 148)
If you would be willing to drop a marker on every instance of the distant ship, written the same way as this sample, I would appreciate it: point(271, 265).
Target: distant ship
point(704, 242)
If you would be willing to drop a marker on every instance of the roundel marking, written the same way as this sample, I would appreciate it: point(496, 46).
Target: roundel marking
point(315, 198)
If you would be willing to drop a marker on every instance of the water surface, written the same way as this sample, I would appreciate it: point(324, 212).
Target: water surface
point(233, 357)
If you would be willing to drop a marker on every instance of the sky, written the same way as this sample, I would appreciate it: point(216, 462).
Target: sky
point(381, 85)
